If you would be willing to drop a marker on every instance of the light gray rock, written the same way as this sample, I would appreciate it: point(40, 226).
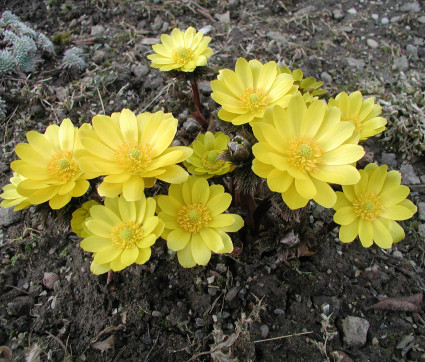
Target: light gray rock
point(401, 63)
point(412, 51)
point(396, 19)
point(337, 14)
point(99, 56)
point(421, 210)
point(352, 11)
point(413, 7)
point(355, 63)
point(326, 77)
point(264, 331)
point(408, 175)
point(355, 331)
point(97, 30)
point(385, 21)
point(304, 11)
point(278, 37)
point(223, 18)
point(421, 19)
point(375, 16)
point(191, 126)
point(8, 216)
point(421, 230)
point(140, 70)
point(371, 43)
point(389, 159)
point(157, 23)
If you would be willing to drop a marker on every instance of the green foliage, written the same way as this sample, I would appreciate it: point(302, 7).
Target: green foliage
point(2, 108)
point(24, 46)
point(62, 38)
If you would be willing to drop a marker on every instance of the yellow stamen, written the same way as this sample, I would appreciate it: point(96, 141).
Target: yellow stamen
point(134, 157)
point(367, 206)
point(182, 55)
point(193, 218)
point(209, 160)
point(254, 100)
point(127, 235)
point(305, 154)
point(63, 167)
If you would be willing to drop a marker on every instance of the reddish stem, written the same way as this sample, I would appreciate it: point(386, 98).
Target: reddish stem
point(198, 114)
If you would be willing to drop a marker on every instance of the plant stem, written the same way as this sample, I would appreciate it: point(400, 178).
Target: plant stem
point(198, 114)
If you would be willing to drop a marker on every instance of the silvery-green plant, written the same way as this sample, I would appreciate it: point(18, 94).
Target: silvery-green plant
point(24, 46)
point(74, 57)
point(2, 108)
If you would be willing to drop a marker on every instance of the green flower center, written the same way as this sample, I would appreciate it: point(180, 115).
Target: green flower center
point(63, 167)
point(182, 55)
point(192, 218)
point(305, 154)
point(209, 160)
point(134, 157)
point(127, 235)
point(254, 100)
point(367, 206)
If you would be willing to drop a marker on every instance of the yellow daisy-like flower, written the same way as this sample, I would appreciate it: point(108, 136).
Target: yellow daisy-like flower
point(80, 216)
point(11, 196)
point(303, 149)
point(362, 113)
point(194, 221)
point(183, 51)
point(368, 209)
point(121, 233)
point(245, 93)
point(205, 161)
point(48, 163)
point(132, 151)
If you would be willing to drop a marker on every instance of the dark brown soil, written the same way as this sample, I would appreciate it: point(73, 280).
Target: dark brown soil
point(295, 297)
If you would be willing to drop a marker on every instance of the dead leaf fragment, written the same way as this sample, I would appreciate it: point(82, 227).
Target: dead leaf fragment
point(405, 304)
point(5, 354)
point(108, 343)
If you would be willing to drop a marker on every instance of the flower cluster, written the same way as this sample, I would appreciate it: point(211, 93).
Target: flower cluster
point(298, 144)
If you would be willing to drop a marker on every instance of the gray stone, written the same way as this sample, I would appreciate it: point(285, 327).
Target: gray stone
point(157, 314)
point(355, 331)
point(279, 311)
point(50, 279)
point(8, 216)
point(140, 70)
point(396, 19)
point(304, 11)
point(408, 175)
point(277, 36)
point(355, 63)
point(157, 23)
point(337, 14)
point(389, 159)
point(264, 331)
point(205, 87)
point(421, 210)
point(232, 293)
point(421, 19)
point(352, 11)
point(97, 30)
point(223, 18)
point(421, 230)
point(191, 126)
point(400, 63)
point(99, 56)
point(371, 43)
point(413, 7)
point(385, 21)
point(375, 16)
point(412, 51)
point(326, 77)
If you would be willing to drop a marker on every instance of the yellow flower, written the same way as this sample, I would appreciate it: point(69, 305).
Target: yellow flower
point(362, 113)
point(245, 93)
point(183, 51)
point(11, 196)
point(194, 221)
point(309, 87)
point(302, 149)
point(368, 209)
point(49, 166)
point(132, 152)
point(80, 216)
point(205, 161)
point(121, 233)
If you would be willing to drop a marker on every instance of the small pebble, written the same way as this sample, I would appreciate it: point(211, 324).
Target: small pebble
point(264, 331)
point(156, 314)
point(352, 11)
point(372, 43)
point(385, 21)
point(375, 16)
point(49, 280)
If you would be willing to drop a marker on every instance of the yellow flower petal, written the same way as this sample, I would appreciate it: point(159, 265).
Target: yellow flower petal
point(132, 189)
point(185, 257)
point(347, 233)
point(366, 234)
point(396, 212)
point(177, 239)
point(107, 254)
point(200, 252)
point(144, 256)
point(93, 243)
point(98, 269)
point(211, 239)
point(381, 236)
point(99, 228)
point(129, 256)
point(293, 199)
point(345, 215)
point(325, 195)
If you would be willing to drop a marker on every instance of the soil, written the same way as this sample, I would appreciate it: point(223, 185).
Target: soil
point(292, 287)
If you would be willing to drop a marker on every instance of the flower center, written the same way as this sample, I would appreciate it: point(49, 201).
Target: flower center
point(134, 157)
point(254, 100)
point(305, 154)
point(63, 167)
point(193, 218)
point(182, 55)
point(209, 160)
point(367, 206)
point(353, 119)
point(127, 235)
